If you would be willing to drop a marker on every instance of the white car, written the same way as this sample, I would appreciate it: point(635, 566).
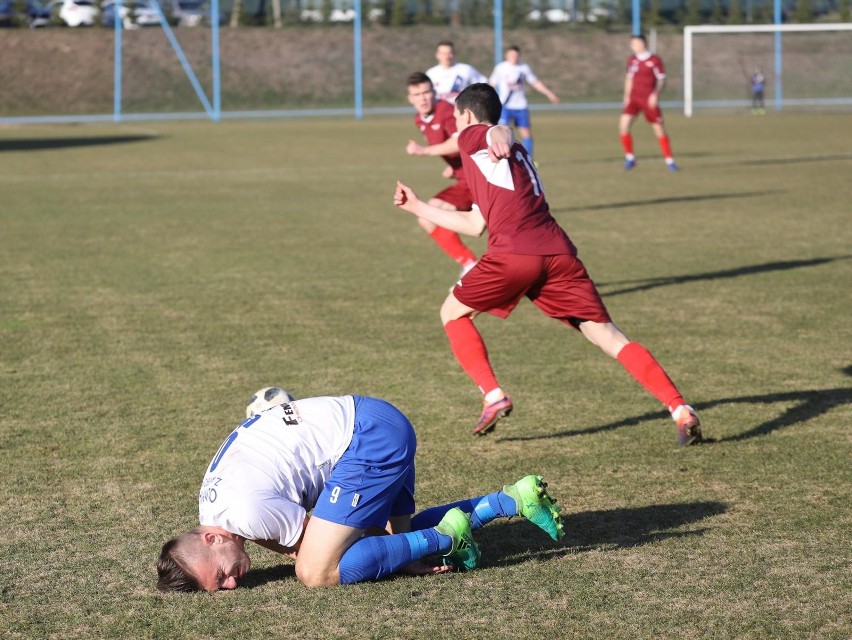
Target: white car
point(77, 13)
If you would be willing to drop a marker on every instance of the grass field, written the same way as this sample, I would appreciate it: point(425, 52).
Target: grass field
point(152, 276)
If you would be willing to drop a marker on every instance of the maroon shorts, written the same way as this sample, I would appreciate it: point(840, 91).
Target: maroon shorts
point(558, 285)
point(458, 195)
point(652, 114)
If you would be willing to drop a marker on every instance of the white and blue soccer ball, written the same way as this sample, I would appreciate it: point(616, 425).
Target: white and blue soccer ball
point(267, 398)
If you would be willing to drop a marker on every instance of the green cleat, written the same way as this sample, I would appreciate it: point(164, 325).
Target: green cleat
point(465, 552)
point(536, 505)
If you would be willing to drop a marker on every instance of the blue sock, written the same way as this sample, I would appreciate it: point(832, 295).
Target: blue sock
point(528, 145)
point(374, 557)
point(482, 510)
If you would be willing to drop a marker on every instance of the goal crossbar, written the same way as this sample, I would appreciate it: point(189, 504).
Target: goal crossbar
point(777, 29)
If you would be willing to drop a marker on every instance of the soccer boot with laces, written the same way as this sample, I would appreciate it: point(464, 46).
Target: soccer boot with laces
point(688, 425)
point(491, 413)
point(465, 553)
point(536, 505)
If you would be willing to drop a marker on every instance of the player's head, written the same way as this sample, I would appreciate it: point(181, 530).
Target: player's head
point(513, 54)
point(638, 43)
point(478, 103)
point(445, 53)
point(421, 93)
point(201, 560)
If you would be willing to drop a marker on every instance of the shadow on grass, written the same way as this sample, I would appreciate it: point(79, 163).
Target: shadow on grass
point(644, 284)
point(259, 577)
point(798, 159)
point(44, 144)
point(809, 405)
point(652, 202)
point(607, 529)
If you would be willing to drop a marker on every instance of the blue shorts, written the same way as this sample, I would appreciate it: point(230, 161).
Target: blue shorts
point(374, 479)
point(521, 117)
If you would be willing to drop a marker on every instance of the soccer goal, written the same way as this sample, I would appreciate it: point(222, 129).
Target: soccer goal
point(803, 66)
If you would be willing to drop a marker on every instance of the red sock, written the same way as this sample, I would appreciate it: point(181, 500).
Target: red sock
point(469, 349)
point(627, 143)
point(641, 365)
point(452, 245)
point(666, 147)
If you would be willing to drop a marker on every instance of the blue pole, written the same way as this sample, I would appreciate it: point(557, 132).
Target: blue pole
point(359, 93)
point(214, 45)
point(779, 94)
point(116, 95)
point(637, 16)
point(498, 31)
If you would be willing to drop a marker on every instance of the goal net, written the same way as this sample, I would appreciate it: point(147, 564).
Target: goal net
point(803, 66)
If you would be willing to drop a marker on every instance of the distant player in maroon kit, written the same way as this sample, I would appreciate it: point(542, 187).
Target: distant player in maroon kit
point(643, 83)
point(435, 120)
point(528, 254)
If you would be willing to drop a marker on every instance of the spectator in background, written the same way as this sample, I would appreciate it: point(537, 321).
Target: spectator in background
point(758, 84)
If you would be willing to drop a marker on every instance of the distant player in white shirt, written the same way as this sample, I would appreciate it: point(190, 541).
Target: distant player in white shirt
point(510, 79)
point(349, 461)
point(450, 77)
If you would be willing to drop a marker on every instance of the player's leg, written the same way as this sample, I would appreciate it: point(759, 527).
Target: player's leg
point(641, 364)
point(625, 122)
point(496, 284)
point(569, 294)
point(523, 125)
point(371, 483)
point(655, 117)
point(527, 498)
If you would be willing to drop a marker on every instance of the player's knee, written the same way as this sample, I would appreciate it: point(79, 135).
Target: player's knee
point(314, 576)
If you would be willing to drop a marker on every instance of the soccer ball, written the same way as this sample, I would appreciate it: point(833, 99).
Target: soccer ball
point(267, 398)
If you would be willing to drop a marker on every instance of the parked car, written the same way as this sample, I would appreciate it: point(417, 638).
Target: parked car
point(191, 13)
point(134, 14)
point(7, 13)
point(77, 13)
point(37, 14)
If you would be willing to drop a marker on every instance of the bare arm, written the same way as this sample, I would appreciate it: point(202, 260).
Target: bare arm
point(277, 547)
point(446, 148)
point(470, 223)
point(538, 85)
point(628, 87)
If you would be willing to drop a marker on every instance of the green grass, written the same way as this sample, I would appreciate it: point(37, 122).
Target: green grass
point(153, 276)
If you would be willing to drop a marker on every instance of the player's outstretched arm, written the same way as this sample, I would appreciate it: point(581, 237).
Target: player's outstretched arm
point(542, 89)
point(446, 148)
point(470, 223)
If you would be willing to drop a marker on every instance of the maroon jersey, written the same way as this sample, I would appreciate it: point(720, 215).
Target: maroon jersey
point(440, 127)
point(511, 199)
point(646, 71)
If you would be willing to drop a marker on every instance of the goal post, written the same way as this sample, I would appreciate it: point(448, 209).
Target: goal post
point(818, 59)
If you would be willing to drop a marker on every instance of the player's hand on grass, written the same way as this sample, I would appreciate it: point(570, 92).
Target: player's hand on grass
point(419, 568)
point(405, 198)
point(447, 172)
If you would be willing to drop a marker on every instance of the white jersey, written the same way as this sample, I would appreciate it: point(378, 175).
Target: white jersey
point(272, 468)
point(510, 80)
point(449, 81)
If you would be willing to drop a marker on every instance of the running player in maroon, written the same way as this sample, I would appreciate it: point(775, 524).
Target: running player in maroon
point(528, 254)
point(436, 121)
point(643, 83)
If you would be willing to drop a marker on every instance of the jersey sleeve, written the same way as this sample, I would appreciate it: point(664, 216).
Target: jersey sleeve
point(659, 69)
point(267, 517)
point(473, 139)
point(528, 72)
